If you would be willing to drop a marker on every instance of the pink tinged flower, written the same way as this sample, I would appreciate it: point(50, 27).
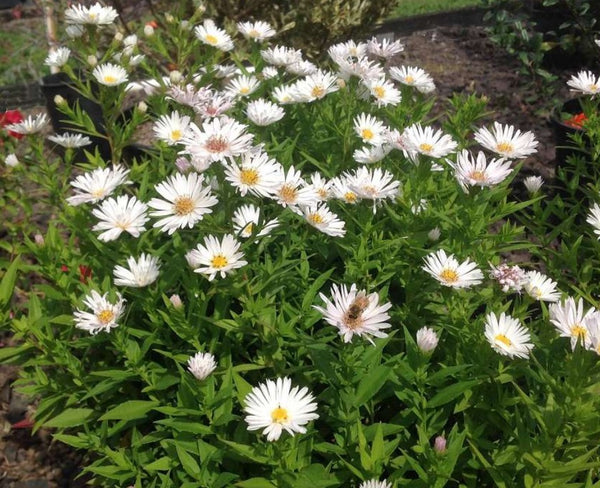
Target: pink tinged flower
point(123, 214)
point(510, 278)
point(427, 339)
point(292, 191)
point(201, 365)
point(354, 312)
point(479, 172)
point(439, 445)
point(275, 406)
point(184, 202)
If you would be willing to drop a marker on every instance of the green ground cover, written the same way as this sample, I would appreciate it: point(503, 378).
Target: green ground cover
point(408, 8)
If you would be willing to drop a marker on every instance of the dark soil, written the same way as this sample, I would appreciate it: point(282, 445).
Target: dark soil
point(460, 59)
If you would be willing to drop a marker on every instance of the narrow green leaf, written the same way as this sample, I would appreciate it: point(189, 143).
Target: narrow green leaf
point(450, 393)
point(133, 409)
point(371, 384)
point(7, 285)
point(255, 483)
point(70, 417)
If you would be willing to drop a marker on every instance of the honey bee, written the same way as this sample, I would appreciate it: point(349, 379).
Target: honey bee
point(355, 310)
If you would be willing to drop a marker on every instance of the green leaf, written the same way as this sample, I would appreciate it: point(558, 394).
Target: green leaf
point(70, 418)
point(7, 285)
point(255, 483)
point(371, 384)
point(451, 392)
point(188, 462)
point(309, 296)
point(133, 409)
point(162, 464)
point(72, 440)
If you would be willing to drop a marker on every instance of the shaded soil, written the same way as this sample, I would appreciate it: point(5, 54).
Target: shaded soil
point(460, 59)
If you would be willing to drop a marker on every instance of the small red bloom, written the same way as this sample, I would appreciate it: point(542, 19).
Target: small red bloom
point(64, 268)
point(576, 121)
point(11, 117)
point(85, 273)
point(152, 24)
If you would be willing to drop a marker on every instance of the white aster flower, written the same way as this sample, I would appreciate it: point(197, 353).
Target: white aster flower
point(247, 218)
point(281, 55)
point(11, 160)
point(427, 339)
point(384, 92)
point(140, 273)
point(349, 50)
point(257, 174)
point(375, 484)
point(370, 130)
point(94, 15)
point(511, 278)
point(533, 183)
point(302, 68)
point(257, 31)
point(321, 186)
point(479, 172)
point(365, 69)
point(371, 154)
point(503, 140)
point(434, 234)
point(30, 125)
point(123, 214)
point(384, 49)
point(224, 70)
point(275, 406)
point(201, 365)
point(507, 336)
point(341, 189)
point(93, 186)
point(284, 94)
point(218, 139)
point(314, 87)
point(210, 34)
point(428, 142)
point(413, 76)
point(420, 206)
point(449, 272)
point(293, 191)
point(103, 316)
point(110, 74)
point(70, 140)
point(58, 57)
point(216, 105)
point(570, 320)
point(171, 128)
point(216, 257)
point(263, 113)
point(541, 287)
point(269, 72)
point(585, 82)
point(594, 219)
point(319, 216)
point(184, 202)
point(592, 324)
point(242, 86)
point(355, 312)
point(373, 184)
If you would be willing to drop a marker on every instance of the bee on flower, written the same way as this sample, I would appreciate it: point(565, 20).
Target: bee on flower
point(541, 287)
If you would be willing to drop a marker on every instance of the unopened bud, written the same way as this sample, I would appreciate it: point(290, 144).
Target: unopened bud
point(148, 30)
point(176, 300)
point(169, 18)
point(175, 77)
point(434, 234)
point(201, 8)
point(59, 100)
point(118, 37)
point(130, 41)
point(92, 60)
point(142, 107)
point(439, 445)
point(341, 83)
point(11, 160)
point(185, 24)
point(39, 240)
point(427, 339)
point(182, 164)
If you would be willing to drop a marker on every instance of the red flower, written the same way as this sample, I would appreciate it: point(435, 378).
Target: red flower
point(64, 268)
point(576, 121)
point(152, 24)
point(85, 273)
point(11, 117)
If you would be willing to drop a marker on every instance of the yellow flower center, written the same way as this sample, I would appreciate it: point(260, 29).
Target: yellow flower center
point(379, 91)
point(105, 316)
point(322, 193)
point(176, 134)
point(593, 88)
point(409, 79)
point(578, 331)
point(318, 91)
point(288, 193)
point(449, 275)
point(247, 231)
point(350, 197)
point(503, 339)
point(98, 193)
point(183, 206)
point(109, 79)
point(367, 134)
point(244, 90)
point(216, 144)
point(426, 148)
point(249, 176)
point(477, 175)
point(211, 39)
point(253, 33)
point(315, 218)
point(219, 261)
point(504, 147)
point(369, 190)
point(280, 415)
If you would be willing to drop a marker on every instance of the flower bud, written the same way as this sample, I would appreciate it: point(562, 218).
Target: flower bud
point(130, 41)
point(142, 107)
point(118, 37)
point(434, 234)
point(341, 83)
point(439, 445)
point(185, 24)
point(39, 240)
point(92, 60)
point(11, 160)
point(59, 100)
point(176, 301)
point(201, 365)
point(533, 183)
point(169, 18)
point(148, 30)
point(175, 76)
point(427, 339)
point(182, 164)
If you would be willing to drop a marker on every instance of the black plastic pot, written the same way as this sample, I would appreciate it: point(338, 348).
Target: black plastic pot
point(565, 146)
point(60, 84)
